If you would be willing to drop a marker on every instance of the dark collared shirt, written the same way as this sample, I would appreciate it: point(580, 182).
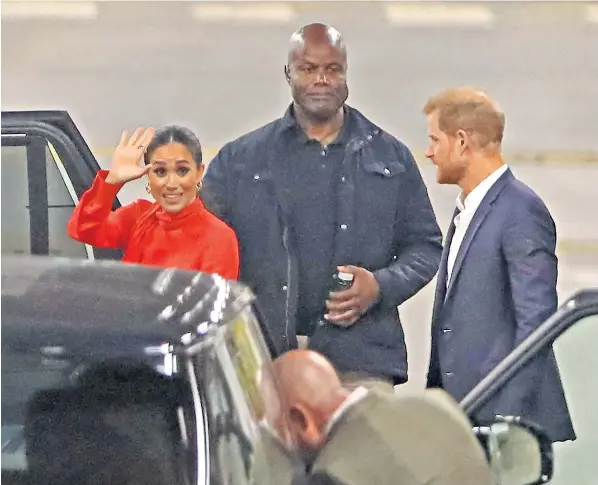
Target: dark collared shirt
point(313, 172)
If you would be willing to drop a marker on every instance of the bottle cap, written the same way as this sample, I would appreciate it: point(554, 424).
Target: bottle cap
point(345, 276)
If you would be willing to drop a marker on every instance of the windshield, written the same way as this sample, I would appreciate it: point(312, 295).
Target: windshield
point(239, 401)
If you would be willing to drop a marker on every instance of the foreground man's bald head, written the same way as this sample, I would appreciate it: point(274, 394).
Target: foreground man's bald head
point(309, 379)
point(312, 392)
point(363, 438)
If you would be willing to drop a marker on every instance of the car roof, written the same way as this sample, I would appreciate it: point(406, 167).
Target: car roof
point(54, 301)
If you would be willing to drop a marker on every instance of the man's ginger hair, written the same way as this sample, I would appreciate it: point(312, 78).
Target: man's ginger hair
point(470, 110)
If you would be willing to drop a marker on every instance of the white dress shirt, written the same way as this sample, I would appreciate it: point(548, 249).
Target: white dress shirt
point(468, 208)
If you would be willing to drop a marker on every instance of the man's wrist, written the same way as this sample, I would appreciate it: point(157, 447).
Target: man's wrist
point(382, 278)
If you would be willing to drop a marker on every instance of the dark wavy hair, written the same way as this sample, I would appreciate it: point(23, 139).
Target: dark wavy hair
point(175, 134)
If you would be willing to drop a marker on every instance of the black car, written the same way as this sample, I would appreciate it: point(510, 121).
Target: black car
point(167, 359)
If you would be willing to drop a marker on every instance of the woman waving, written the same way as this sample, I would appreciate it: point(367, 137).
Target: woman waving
point(176, 230)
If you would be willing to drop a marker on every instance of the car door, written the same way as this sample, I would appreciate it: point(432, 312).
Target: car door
point(573, 332)
point(46, 166)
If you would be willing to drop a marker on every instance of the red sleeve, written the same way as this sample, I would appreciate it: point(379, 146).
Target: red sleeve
point(93, 221)
point(221, 256)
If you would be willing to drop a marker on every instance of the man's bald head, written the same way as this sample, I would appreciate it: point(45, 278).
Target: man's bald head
point(312, 392)
point(306, 377)
point(316, 34)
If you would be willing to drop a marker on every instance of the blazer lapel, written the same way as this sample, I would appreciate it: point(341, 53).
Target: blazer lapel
point(475, 224)
point(440, 293)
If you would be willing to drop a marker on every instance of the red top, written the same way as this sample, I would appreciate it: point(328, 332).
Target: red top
point(193, 239)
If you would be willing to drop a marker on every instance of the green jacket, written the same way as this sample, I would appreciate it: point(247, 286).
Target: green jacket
point(414, 440)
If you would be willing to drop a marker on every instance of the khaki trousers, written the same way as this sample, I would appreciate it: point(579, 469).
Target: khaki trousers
point(353, 380)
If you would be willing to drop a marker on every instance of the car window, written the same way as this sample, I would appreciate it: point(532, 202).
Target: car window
point(22, 376)
point(15, 201)
point(37, 200)
point(61, 203)
point(57, 415)
point(576, 355)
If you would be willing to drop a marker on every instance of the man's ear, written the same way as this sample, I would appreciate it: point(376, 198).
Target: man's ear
point(298, 419)
point(463, 140)
point(287, 73)
point(305, 426)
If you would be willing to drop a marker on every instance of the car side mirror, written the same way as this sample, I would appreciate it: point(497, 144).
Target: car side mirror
point(519, 452)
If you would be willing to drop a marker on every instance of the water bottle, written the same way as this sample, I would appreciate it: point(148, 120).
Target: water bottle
point(341, 281)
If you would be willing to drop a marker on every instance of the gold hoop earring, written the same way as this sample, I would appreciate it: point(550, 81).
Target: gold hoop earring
point(199, 186)
point(147, 189)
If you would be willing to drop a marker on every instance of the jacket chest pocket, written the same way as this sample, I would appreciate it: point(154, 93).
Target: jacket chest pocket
point(255, 197)
point(378, 189)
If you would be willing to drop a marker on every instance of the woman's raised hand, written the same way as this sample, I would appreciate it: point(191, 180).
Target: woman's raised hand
point(127, 161)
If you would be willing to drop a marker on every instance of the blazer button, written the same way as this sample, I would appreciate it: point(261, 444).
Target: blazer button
point(284, 288)
point(256, 176)
point(344, 227)
point(449, 374)
point(386, 171)
point(446, 330)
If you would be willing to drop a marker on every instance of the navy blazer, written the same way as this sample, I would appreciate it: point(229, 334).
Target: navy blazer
point(502, 287)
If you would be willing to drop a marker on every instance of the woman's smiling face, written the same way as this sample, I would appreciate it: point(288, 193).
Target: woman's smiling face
point(174, 176)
